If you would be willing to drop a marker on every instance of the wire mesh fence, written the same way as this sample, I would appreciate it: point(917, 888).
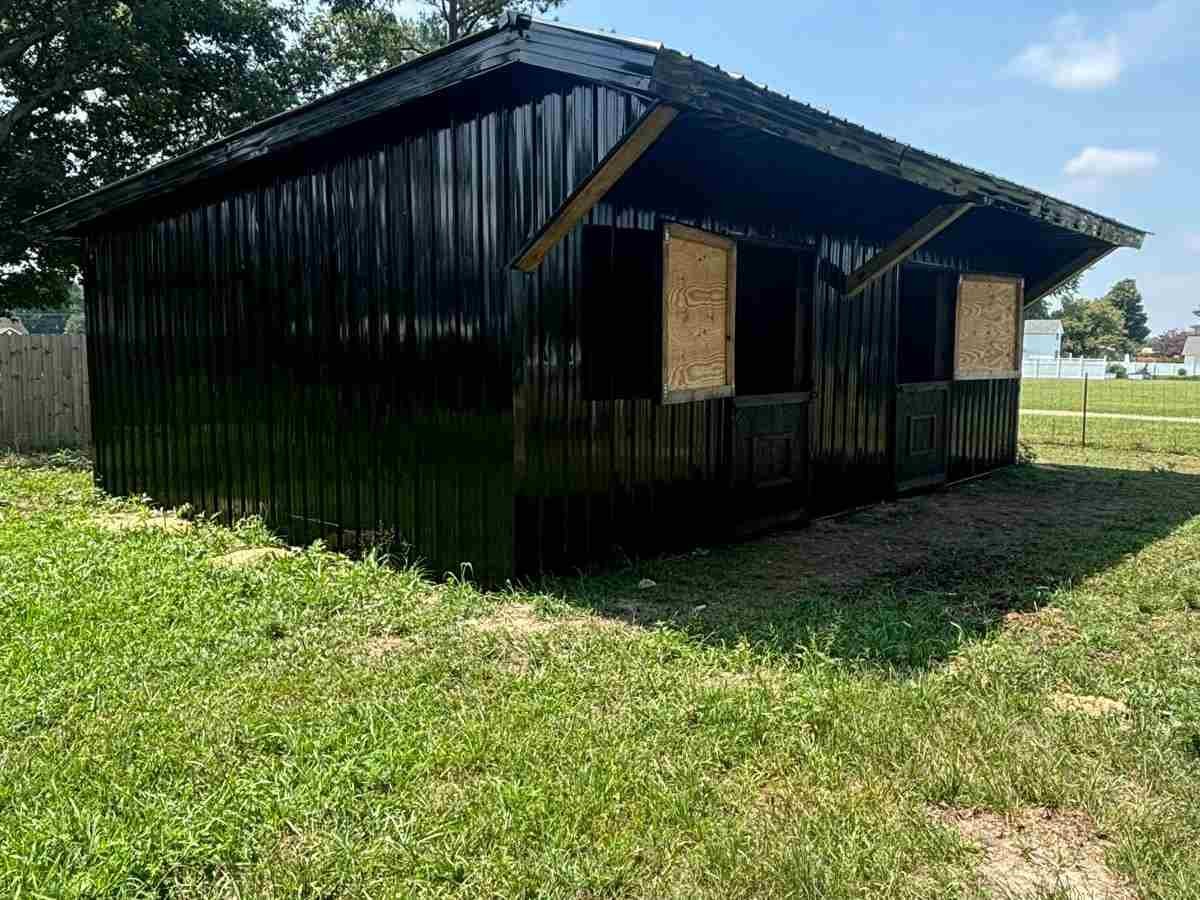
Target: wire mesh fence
point(1157, 415)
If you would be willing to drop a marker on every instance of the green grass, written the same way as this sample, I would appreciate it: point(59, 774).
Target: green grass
point(1114, 434)
point(315, 727)
point(1160, 397)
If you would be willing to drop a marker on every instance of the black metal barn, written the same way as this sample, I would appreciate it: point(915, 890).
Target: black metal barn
point(547, 292)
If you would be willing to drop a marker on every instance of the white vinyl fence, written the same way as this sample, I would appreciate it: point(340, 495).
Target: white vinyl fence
point(1078, 366)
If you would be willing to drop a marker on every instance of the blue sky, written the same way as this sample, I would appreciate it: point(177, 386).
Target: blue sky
point(1098, 104)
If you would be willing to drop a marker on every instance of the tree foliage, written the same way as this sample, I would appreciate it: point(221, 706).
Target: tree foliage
point(1040, 308)
point(1170, 342)
point(94, 90)
point(1126, 297)
point(359, 38)
point(1092, 328)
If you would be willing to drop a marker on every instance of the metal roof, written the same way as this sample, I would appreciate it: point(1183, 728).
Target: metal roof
point(1043, 326)
point(644, 67)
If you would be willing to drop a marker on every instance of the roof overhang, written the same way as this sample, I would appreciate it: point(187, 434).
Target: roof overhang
point(684, 81)
point(645, 68)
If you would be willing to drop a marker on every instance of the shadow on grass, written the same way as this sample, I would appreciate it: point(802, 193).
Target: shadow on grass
point(900, 585)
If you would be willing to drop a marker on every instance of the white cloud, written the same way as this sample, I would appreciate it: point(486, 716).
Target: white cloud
point(1076, 56)
point(1072, 63)
point(1104, 162)
point(1191, 241)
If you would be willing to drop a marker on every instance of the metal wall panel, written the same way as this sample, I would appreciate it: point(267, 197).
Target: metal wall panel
point(327, 343)
point(983, 425)
point(598, 473)
point(336, 343)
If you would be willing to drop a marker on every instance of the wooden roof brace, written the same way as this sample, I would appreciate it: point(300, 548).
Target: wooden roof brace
point(1059, 276)
point(601, 180)
point(930, 226)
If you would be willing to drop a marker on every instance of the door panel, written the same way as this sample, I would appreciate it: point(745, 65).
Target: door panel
point(770, 412)
point(921, 411)
point(770, 458)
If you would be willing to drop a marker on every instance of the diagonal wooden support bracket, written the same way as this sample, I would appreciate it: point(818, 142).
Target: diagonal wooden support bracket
point(1059, 276)
point(596, 185)
point(930, 226)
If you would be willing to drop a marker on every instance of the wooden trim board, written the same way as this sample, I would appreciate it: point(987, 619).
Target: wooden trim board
point(1059, 276)
point(913, 239)
point(601, 180)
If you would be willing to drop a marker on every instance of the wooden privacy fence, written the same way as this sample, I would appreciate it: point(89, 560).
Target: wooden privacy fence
point(44, 402)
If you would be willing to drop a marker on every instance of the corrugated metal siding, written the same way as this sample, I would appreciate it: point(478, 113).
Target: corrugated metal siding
point(854, 346)
point(983, 425)
point(594, 473)
point(329, 345)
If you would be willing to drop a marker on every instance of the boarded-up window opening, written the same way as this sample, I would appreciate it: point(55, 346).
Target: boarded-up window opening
point(988, 327)
point(699, 278)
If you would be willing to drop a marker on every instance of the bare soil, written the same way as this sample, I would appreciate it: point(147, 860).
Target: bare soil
point(1088, 706)
point(522, 620)
point(1035, 852)
point(904, 536)
point(250, 556)
point(132, 521)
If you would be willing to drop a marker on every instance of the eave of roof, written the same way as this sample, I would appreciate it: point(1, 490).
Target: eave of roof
point(640, 66)
point(1043, 326)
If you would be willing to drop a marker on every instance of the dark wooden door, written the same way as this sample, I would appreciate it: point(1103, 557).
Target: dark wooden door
point(770, 412)
point(770, 461)
point(921, 411)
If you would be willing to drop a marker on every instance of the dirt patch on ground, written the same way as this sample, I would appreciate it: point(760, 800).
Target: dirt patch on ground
point(251, 556)
point(133, 521)
point(1035, 852)
point(385, 645)
point(522, 620)
point(987, 520)
point(1088, 706)
point(1048, 626)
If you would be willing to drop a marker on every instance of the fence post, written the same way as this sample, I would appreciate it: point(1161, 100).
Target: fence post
point(1085, 387)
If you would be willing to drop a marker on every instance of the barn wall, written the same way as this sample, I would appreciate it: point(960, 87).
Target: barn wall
point(983, 425)
point(598, 473)
point(327, 343)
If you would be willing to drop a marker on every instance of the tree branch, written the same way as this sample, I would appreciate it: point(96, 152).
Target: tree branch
point(16, 49)
point(30, 105)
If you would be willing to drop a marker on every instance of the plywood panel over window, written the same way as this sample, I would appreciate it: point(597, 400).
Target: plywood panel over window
point(988, 327)
point(699, 275)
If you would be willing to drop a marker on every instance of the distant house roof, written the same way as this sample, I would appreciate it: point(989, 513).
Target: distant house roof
point(1043, 326)
point(1191, 347)
point(12, 326)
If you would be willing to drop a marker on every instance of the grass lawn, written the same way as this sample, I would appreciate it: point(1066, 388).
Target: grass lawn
point(820, 714)
point(1113, 434)
point(1160, 397)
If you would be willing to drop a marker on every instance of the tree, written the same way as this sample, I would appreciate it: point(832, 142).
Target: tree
point(359, 38)
point(1126, 297)
point(94, 90)
point(1170, 342)
point(1092, 328)
point(1040, 308)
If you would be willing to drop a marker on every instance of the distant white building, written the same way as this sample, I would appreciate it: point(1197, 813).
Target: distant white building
point(1191, 353)
point(1043, 338)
